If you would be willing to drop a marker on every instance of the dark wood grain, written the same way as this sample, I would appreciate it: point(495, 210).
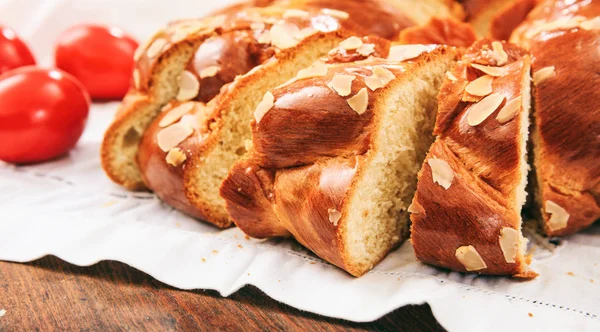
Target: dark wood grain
point(49, 294)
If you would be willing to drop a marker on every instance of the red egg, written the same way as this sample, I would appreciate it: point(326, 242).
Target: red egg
point(14, 52)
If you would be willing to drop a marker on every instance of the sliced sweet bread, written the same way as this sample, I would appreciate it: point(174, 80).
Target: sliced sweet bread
point(334, 155)
point(466, 214)
point(563, 38)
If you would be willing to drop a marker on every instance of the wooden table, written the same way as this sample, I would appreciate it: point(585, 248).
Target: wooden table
point(50, 294)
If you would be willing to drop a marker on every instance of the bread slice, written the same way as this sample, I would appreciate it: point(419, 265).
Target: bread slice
point(334, 156)
point(567, 113)
point(466, 214)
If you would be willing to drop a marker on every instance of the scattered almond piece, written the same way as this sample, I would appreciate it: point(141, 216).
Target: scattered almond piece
point(189, 86)
point(305, 33)
point(483, 109)
point(264, 107)
point(282, 35)
point(175, 114)
point(499, 54)
point(559, 217)
point(481, 86)
point(451, 76)
point(490, 70)
point(470, 258)
point(257, 26)
point(156, 47)
point(360, 101)
point(544, 74)
point(265, 37)
point(351, 43)
point(509, 110)
point(317, 69)
point(335, 13)
point(366, 49)
point(136, 78)
point(342, 84)
point(406, 52)
point(593, 24)
point(334, 216)
point(380, 78)
point(291, 13)
point(175, 157)
point(441, 172)
point(248, 145)
point(509, 244)
point(168, 138)
point(209, 71)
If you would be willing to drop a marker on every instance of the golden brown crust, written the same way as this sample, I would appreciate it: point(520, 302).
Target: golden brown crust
point(308, 152)
point(496, 18)
point(567, 115)
point(441, 31)
point(471, 195)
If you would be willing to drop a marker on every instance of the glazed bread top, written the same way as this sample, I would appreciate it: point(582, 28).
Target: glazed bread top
point(466, 212)
point(563, 38)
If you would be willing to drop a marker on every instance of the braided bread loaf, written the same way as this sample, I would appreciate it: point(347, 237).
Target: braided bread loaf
point(334, 156)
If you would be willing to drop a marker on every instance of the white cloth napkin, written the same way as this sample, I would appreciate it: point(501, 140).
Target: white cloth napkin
point(68, 208)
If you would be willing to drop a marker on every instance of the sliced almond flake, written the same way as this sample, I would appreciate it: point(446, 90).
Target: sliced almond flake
point(175, 114)
point(406, 52)
point(559, 217)
point(257, 26)
point(562, 23)
point(291, 13)
point(264, 106)
point(209, 71)
point(441, 172)
point(317, 69)
point(185, 29)
point(481, 86)
point(335, 13)
point(499, 54)
point(334, 216)
point(351, 43)
point(248, 145)
point(483, 109)
point(139, 52)
point(470, 98)
point(305, 33)
point(470, 258)
point(342, 84)
point(136, 78)
point(544, 74)
point(156, 47)
point(189, 86)
point(366, 49)
point(282, 35)
point(490, 70)
point(509, 243)
point(380, 78)
point(175, 157)
point(451, 76)
point(593, 24)
point(169, 137)
point(360, 101)
point(412, 208)
point(265, 37)
point(509, 110)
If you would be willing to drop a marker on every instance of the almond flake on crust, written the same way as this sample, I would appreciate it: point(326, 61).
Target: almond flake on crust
point(490, 70)
point(342, 84)
point(156, 47)
point(209, 71)
point(481, 86)
point(509, 243)
point(264, 37)
point(351, 43)
point(360, 101)
point(305, 33)
point(499, 54)
point(264, 106)
point(406, 52)
point(470, 258)
point(317, 69)
point(366, 49)
point(293, 13)
point(593, 24)
point(336, 13)
point(189, 86)
point(451, 76)
point(441, 172)
point(282, 35)
point(509, 111)
point(334, 216)
point(169, 137)
point(544, 74)
point(559, 217)
point(483, 109)
point(175, 157)
point(175, 114)
point(136, 78)
point(380, 78)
